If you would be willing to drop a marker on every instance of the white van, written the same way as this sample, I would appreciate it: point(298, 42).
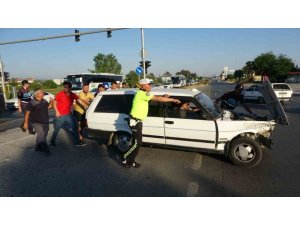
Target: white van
point(205, 128)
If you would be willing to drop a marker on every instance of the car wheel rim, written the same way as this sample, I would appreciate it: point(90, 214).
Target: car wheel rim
point(244, 153)
point(123, 143)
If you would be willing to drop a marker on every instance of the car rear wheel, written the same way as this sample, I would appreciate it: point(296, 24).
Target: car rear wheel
point(245, 152)
point(122, 141)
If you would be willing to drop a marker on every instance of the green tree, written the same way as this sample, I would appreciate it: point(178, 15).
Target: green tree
point(34, 85)
point(249, 69)
point(106, 64)
point(49, 84)
point(276, 67)
point(13, 82)
point(265, 64)
point(151, 76)
point(283, 66)
point(238, 74)
point(187, 74)
point(132, 79)
point(167, 74)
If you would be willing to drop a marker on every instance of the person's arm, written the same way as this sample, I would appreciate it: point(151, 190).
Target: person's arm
point(25, 125)
point(57, 114)
point(165, 99)
point(50, 103)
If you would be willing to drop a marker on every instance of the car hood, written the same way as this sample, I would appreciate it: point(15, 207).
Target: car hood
point(273, 104)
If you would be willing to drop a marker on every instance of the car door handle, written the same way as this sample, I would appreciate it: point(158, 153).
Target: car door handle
point(169, 122)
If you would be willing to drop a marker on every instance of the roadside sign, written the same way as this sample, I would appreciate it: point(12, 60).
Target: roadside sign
point(139, 70)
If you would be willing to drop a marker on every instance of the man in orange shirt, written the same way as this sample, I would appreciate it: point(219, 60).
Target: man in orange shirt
point(80, 110)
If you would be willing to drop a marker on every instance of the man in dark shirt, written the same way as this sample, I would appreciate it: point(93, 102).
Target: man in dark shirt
point(232, 99)
point(37, 110)
point(24, 96)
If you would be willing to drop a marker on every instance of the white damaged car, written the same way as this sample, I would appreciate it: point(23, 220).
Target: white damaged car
point(202, 128)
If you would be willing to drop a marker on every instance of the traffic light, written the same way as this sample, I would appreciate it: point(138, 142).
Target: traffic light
point(147, 65)
point(141, 64)
point(77, 35)
point(6, 76)
point(109, 34)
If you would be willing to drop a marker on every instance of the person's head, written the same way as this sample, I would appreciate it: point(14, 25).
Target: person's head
point(25, 84)
point(67, 86)
point(38, 93)
point(119, 84)
point(114, 85)
point(124, 85)
point(239, 88)
point(85, 87)
point(145, 84)
point(101, 87)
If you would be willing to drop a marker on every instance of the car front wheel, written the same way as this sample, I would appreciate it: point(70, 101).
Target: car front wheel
point(122, 141)
point(245, 152)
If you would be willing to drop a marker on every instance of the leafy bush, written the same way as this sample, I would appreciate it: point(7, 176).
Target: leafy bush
point(49, 84)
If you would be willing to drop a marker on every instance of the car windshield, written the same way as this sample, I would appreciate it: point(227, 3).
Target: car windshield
point(211, 107)
point(281, 87)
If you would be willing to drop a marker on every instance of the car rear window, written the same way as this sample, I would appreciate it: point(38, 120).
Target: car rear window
point(115, 104)
point(281, 87)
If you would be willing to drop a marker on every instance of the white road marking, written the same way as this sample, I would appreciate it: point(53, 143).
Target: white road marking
point(192, 189)
point(13, 141)
point(14, 120)
point(197, 161)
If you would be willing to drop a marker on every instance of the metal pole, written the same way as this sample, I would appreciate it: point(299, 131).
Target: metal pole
point(61, 36)
point(143, 52)
point(2, 79)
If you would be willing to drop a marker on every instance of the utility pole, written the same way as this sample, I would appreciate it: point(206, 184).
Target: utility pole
point(143, 52)
point(2, 79)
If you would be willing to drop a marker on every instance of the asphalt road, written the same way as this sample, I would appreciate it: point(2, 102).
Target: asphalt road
point(94, 171)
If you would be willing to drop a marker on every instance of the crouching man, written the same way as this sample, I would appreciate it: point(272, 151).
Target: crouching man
point(37, 111)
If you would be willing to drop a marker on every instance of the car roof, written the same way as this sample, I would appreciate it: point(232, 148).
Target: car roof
point(171, 92)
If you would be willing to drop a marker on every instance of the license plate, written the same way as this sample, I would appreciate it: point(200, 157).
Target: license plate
point(282, 93)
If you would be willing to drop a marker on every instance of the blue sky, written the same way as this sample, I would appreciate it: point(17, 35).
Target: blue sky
point(201, 50)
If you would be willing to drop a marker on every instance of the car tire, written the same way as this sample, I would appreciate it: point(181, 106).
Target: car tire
point(122, 141)
point(245, 152)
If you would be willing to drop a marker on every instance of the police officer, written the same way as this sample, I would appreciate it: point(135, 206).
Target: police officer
point(139, 112)
point(24, 96)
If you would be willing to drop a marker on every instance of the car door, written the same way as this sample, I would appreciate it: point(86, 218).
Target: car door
point(153, 125)
point(191, 129)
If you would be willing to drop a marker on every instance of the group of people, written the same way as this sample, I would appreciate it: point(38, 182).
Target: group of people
point(36, 117)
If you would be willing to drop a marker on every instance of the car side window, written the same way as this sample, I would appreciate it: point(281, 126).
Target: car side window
point(115, 104)
point(156, 109)
point(188, 109)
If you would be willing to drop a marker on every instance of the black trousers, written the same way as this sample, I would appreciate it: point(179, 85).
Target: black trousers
point(137, 136)
point(24, 108)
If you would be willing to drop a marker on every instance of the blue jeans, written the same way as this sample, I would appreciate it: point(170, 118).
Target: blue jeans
point(59, 123)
